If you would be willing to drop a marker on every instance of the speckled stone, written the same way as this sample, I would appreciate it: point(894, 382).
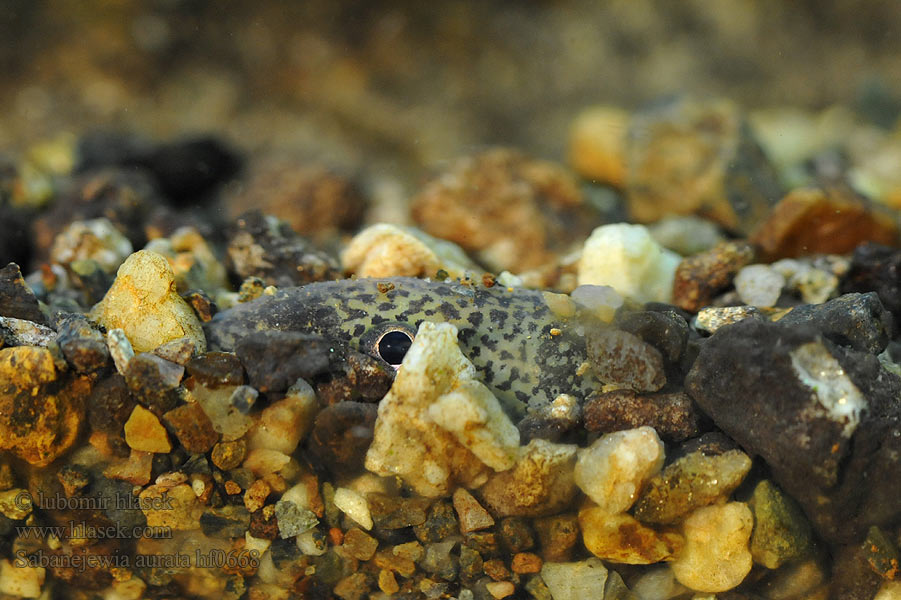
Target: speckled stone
point(625, 360)
point(557, 535)
point(440, 523)
point(192, 428)
point(781, 531)
point(359, 544)
point(154, 381)
point(81, 344)
point(699, 278)
point(620, 538)
point(672, 415)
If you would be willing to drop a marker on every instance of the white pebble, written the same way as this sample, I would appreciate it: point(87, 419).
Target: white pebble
point(355, 506)
point(575, 580)
point(612, 470)
point(759, 285)
point(716, 557)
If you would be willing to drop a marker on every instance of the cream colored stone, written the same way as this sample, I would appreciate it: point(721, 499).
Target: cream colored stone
point(144, 432)
point(612, 470)
point(355, 506)
point(716, 557)
point(622, 539)
point(575, 580)
point(627, 258)
point(890, 590)
point(20, 581)
point(96, 240)
point(176, 507)
point(471, 514)
point(386, 250)
point(144, 303)
point(284, 423)
point(408, 442)
point(597, 144)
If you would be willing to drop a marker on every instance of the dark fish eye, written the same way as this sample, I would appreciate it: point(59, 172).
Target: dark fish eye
point(392, 346)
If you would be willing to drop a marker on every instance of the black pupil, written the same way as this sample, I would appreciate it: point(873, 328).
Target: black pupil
point(393, 347)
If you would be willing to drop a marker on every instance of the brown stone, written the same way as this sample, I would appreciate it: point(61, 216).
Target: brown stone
point(496, 569)
point(672, 415)
point(16, 298)
point(688, 157)
point(229, 455)
point(511, 211)
point(701, 277)
point(525, 563)
point(359, 544)
point(557, 536)
point(192, 427)
point(471, 514)
point(823, 221)
point(597, 144)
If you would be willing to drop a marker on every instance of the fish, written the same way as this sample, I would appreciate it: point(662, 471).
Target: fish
point(528, 346)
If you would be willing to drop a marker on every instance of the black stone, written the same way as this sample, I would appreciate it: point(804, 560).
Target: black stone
point(16, 298)
point(226, 522)
point(745, 380)
point(152, 381)
point(440, 524)
point(82, 344)
point(110, 405)
point(665, 330)
point(876, 268)
point(859, 321)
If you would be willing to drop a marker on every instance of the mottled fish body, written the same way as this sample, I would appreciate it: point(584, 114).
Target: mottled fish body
point(527, 353)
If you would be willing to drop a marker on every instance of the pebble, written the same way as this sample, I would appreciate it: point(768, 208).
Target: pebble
point(136, 469)
point(410, 443)
point(192, 428)
point(815, 285)
point(283, 423)
point(874, 268)
point(179, 351)
point(627, 258)
point(597, 144)
point(293, 519)
point(341, 435)
point(859, 321)
point(663, 328)
point(698, 478)
point(712, 319)
point(386, 250)
point(557, 536)
point(17, 301)
point(228, 408)
point(759, 285)
point(81, 344)
point(510, 211)
point(500, 589)
point(18, 332)
point(719, 172)
point(216, 369)
point(472, 516)
point(672, 415)
point(540, 483)
point(614, 468)
point(176, 507)
point(615, 588)
point(575, 580)
point(262, 246)
point(396, 512)
point(601, 301)
point(700, 277)
point(315, 199)
point(21, 581)
point(40, 415)
point(229, 455)
point(781, 531)
point(262, 462)
point(154, 381)
point(256, 494)
point(620, 538)
point(119, 349)
point(526, 563)
point(192, 260)
point(624, 360)
point(143, 303)
point(830, 220)
point(686, 235)
point(359, 545)
point(800, 415)
point(355, 506)
point(144, 432)
point(716, 556)
point(95, 239)
point(439, 561)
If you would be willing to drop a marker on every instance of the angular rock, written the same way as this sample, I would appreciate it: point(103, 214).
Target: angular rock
point(355, 506)
point(859, 321)
point(95, 239)
point(824, 418)
point(781, 531)
point(216, 369)
point(359, 545)
point(876, 268)
point(759, 285)
point(472, 516)
point(81, 344)
point(120, 349)
point(16, 298)
point(18, 332)
point(264, 247)
point(713, 318)
point(702, 476)
point(110, 404)
point(154, 381)
point(192, 427)
point(540, 483)
point(672, 415)
point(699, 278)
point(392, 512)
point(144, 432)
point(576, 580)
point(410, 442)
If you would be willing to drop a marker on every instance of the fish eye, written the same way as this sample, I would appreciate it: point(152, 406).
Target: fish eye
point(392, 346)
point(388, 342)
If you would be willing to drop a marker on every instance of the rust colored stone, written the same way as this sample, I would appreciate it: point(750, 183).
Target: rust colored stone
point(701, 277)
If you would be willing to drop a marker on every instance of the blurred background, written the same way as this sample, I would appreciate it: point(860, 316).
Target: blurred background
point(399, 87)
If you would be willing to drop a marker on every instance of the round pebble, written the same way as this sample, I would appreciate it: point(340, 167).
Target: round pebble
point(759, 285)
